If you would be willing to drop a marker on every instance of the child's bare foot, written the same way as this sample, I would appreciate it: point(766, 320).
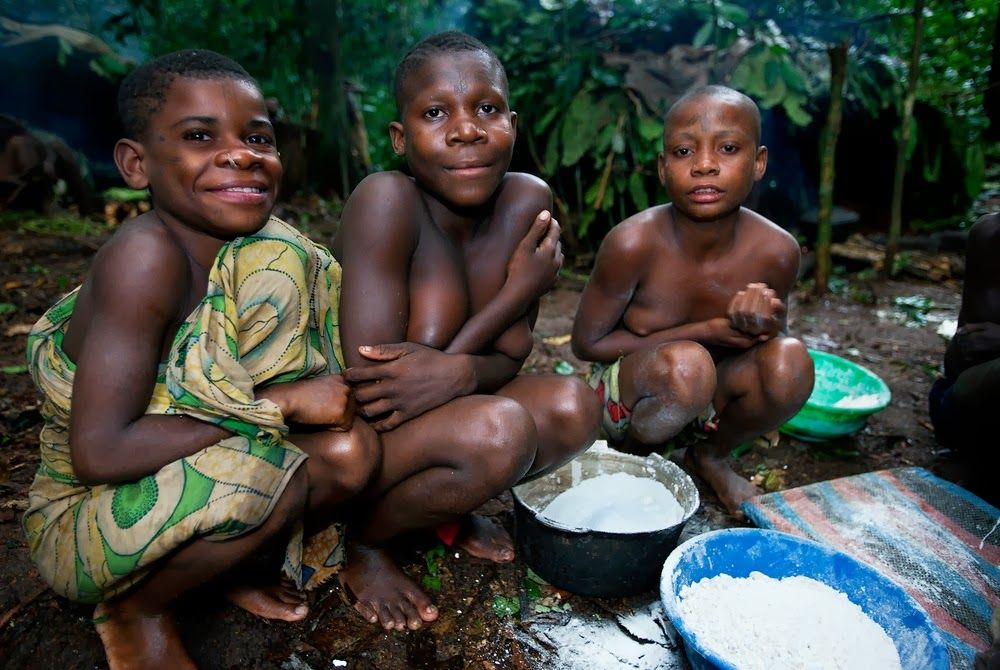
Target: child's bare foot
point(136, 641)
point(381, 593)
point(485, 538)
point(275, 601)
point(729, 486)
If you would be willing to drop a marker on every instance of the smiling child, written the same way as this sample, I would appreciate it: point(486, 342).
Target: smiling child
point(166, 456)
point(443, 269)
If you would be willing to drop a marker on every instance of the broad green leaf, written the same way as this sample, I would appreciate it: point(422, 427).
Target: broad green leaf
point(505, 607)
point(774, 95)
point(705, 32)
point(546, 119)
point(617, 142)
point(563, 367)
point(733, 13)
point(772, 73)
point(637, 188)
point(551, 160)
point(580, 128)
point(975, 169)
point(797, 115)
point(586, 218)
point(794, 80)
point(651, 129)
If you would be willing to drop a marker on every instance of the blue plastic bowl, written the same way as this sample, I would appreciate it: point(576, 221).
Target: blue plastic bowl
point(740, 551)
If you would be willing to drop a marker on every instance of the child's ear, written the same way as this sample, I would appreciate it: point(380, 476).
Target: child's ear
point(128, 158)
point(661, 168)
point(398, 137)
point(513, 121)
point(760, 163)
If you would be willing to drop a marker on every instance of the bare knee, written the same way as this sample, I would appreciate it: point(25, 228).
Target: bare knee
point(571, 418)
point(348, 460)
point(499, 442)
point(786, 372)
point(687, 371)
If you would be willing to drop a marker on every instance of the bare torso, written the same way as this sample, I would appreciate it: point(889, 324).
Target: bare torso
point(442, 275)
point(674, 287)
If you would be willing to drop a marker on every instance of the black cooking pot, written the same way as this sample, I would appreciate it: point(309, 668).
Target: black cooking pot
point(592, 562)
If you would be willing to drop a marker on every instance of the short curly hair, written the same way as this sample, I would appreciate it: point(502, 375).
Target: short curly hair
point(143, 92)
point(451, 42)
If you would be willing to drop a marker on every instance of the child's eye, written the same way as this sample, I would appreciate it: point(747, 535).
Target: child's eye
point(434, 113)
point(487, 108)
point(197, 135)
point(729, 148)
point(260, 139)
point(682, 151)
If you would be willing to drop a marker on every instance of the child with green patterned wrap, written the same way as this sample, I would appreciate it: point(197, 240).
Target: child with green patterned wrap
point(170, 378)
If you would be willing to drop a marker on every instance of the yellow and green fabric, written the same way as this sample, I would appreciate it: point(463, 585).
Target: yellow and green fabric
point(269, 315)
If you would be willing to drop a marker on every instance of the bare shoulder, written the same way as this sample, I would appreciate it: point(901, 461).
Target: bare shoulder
point(383, 190)
point(770, 241)
point(775, 252)
point(638, 236)
point(142, 268)
point(144, 250)
point(763, 229)
point(385, 205)
point(520, 198)
point(521, 185)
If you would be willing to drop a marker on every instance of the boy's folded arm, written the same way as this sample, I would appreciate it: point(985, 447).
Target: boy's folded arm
point(136, 290)
point(524, 206)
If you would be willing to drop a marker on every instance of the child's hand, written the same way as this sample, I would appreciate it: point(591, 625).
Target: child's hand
point(534, 266)
point(326, 400)
point(723, 334)
point(756, 311)
point(410, 379)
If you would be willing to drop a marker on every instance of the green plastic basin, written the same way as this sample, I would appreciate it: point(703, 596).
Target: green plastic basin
point(844, 396)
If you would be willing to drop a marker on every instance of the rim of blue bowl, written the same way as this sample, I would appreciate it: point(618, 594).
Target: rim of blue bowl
point(690, 640)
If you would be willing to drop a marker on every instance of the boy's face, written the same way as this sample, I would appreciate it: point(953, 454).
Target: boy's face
point(456, 131)
point(209, 157)
point(710, 158)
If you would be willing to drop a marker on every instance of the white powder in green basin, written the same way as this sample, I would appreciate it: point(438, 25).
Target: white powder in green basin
point(854, 402)
point(616, 503)
point(760, 623)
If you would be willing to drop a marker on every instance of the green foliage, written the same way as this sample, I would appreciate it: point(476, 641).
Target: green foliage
point(504, 607)
point(589, 135)
point(432, 559)
point(65, 226)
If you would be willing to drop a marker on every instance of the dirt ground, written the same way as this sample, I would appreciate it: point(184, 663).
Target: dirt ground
point(864, 320)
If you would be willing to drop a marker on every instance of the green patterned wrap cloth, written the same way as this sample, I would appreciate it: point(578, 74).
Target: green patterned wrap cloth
point(269, 315)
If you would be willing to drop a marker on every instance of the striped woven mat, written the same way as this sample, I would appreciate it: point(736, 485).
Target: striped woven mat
point(933, 538)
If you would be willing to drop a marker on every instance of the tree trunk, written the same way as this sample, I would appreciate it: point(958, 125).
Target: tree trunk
point(913, 76)
point(334, 149)
point(837, 54)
